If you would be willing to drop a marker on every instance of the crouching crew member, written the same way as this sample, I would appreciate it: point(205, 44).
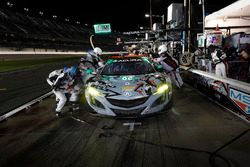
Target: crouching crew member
point(62, 82)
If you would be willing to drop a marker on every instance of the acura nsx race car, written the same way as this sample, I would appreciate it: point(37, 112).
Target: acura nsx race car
point(128, 86)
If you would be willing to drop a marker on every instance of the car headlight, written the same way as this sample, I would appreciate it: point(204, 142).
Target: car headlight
point(94, 92)
point(161, 89)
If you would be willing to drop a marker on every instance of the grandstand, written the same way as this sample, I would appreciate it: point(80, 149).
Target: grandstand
point(20, 31)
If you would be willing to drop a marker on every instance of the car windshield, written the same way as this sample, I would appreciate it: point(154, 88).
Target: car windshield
point(128, 67)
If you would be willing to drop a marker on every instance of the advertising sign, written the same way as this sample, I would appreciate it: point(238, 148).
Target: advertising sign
point(102, 28)
point(201, 40)
point(214, 39)
point(241, 99)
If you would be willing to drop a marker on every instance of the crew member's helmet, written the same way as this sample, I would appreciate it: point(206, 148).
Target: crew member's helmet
point(220, 54)
point(65, 69)
point(73, 71)
point(98, 51)
point(162, 49)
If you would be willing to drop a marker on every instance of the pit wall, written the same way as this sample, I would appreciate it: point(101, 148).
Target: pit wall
point(230, 93)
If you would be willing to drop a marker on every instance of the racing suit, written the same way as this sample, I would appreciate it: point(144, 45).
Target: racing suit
point(221, 66)
point(95, 59)
point(57, 81)
point(86, 70)
point(170, 65)
point(73, 88)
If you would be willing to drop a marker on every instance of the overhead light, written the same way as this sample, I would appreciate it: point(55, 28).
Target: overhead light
point(9, 4)
point(26, 9)
point(41, 13)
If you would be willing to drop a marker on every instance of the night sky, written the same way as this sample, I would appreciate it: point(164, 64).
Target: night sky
point(124, 15)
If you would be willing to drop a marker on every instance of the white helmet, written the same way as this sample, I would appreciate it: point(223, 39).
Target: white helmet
point(220, 54)
point(98, 51)
point(162, 49)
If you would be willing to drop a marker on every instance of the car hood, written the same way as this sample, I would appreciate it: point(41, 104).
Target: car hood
point(128, 87)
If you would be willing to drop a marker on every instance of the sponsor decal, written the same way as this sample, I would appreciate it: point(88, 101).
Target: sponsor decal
point(127, 78)
point(241, 99)
point(219, 87)
point(127, 94)
point(128, 88)
point(129, 60)
point(127, 83)
point(204, 81)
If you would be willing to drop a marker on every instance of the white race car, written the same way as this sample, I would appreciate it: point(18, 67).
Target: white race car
point(128, 87)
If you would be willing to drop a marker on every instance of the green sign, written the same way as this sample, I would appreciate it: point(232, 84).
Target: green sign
point(102, 28)
point(201, 40)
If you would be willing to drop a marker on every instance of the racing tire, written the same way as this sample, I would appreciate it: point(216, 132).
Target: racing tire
point(185, 59)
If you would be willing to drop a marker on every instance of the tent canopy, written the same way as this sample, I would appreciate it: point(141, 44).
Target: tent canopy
point(235, 15)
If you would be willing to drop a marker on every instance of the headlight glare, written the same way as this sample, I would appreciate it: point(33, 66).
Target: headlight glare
point(161, 89)
point(94, 92)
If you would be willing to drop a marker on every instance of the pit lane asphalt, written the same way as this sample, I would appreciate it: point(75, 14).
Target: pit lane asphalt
point(194, 132)
point(22, 86)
